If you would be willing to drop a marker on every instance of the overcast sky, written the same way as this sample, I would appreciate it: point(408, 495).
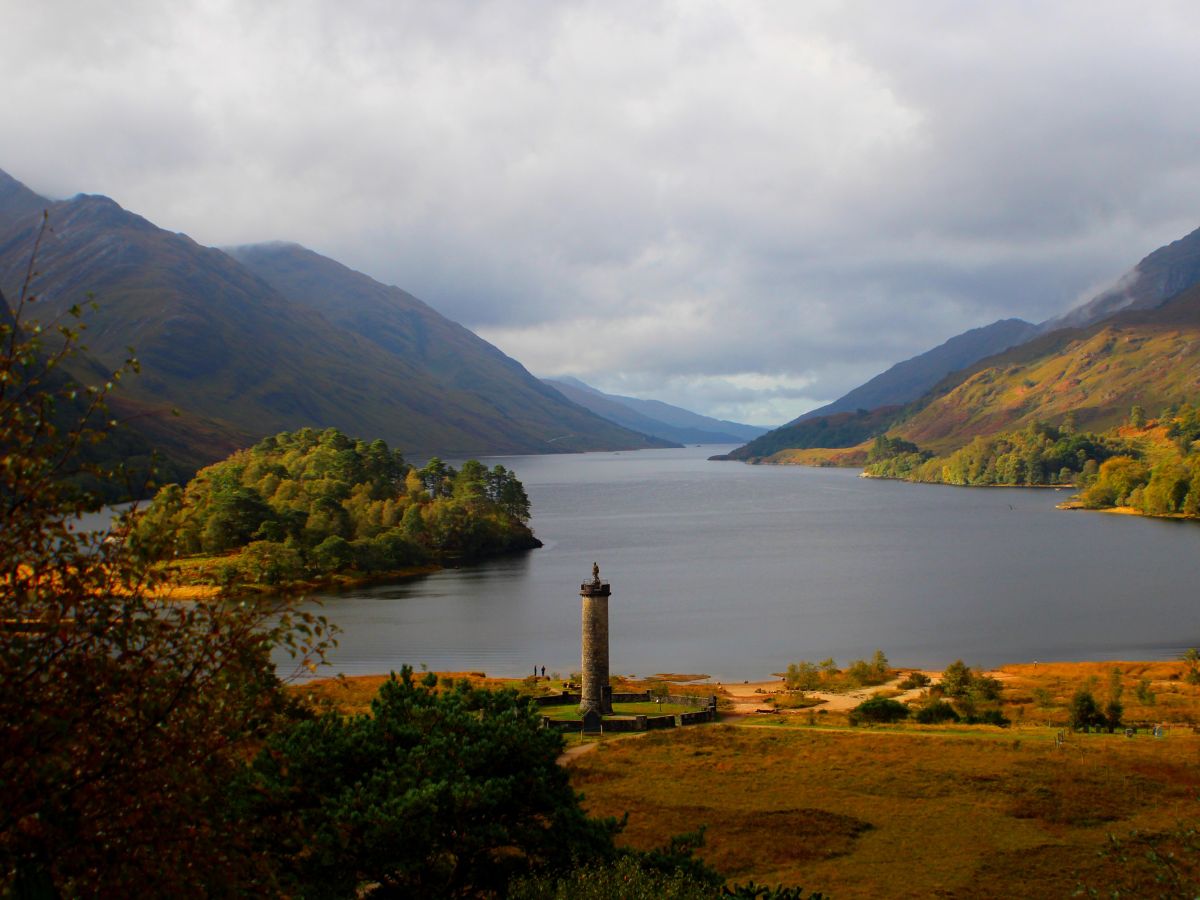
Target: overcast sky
point(743, 208)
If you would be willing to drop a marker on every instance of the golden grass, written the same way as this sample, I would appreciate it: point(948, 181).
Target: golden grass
point(906, 810)
point(887, 814)
point(822, 457)
point(1026, 685)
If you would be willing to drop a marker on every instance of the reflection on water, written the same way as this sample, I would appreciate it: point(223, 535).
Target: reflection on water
point(736, 570)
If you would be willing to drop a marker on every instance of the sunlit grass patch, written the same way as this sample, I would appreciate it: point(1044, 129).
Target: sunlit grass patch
point(650, 708)
point(912, 812)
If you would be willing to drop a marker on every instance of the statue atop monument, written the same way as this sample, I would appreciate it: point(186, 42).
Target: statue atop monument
point(596, 573)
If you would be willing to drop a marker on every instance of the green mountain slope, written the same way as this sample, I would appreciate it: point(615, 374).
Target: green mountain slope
point(241, 360)
point(494, 386)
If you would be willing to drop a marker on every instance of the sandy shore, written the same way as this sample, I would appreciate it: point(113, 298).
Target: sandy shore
point(751, 696)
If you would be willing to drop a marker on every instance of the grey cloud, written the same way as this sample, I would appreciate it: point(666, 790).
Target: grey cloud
point(749, 206)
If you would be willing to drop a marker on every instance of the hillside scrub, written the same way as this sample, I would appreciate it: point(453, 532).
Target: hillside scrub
point(313, 503)
point(122, 717)
point(1040, 455)
point(1150, 468)
point(826, 676)
point(444, 791)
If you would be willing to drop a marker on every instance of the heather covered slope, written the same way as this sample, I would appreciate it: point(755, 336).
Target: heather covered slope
point(241, 360)
point(908, 380)
point(1149, 358)
point(1128, 345)
point(871, 408)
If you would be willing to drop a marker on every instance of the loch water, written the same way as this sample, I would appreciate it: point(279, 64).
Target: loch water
point(733, 571)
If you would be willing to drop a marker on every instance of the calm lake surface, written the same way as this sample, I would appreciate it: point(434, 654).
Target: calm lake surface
point(734, 570)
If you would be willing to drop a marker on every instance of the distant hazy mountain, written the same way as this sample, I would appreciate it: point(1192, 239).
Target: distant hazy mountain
point(17, 201)
point(653, 417)
point(240, 359)
point(908, 380)
point(1164, 273)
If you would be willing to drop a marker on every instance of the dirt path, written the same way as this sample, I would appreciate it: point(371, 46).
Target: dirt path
point(576, 750)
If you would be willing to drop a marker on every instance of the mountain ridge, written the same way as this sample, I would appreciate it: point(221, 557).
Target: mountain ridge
point(1150, 287)
point(654, 417)
point(909, 379)
point(242, 360)
point(1137, 356)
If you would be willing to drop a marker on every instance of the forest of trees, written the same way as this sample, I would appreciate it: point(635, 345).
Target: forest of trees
point(1157, 474)
point(1041, 454)
point(311, 503)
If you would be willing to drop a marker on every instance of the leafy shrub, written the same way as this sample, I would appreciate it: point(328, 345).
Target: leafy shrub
point(914, 680)
point(1145, 693)
point(436, 793)
point(627, 878)
point(802, 676)
point(1084, 712)
point(878, 709)
point(989, 717)
point(936, 712)
point(752, 891)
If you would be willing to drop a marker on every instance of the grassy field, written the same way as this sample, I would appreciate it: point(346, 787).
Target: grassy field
point(915, 811)
point(622, 709)
point(873, 813)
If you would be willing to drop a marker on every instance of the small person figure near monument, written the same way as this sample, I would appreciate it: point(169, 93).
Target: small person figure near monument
point(543, 671)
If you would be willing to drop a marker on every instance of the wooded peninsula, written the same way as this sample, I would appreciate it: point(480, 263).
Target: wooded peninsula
point(307, 505)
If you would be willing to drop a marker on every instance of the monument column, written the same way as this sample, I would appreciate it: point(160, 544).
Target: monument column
point(596, 694)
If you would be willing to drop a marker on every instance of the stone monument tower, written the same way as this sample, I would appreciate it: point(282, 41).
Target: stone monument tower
point(596, 695)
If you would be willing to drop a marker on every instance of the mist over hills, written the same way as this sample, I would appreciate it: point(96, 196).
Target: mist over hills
point(653, 417)
point(240, 358)
point(1164, 273)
